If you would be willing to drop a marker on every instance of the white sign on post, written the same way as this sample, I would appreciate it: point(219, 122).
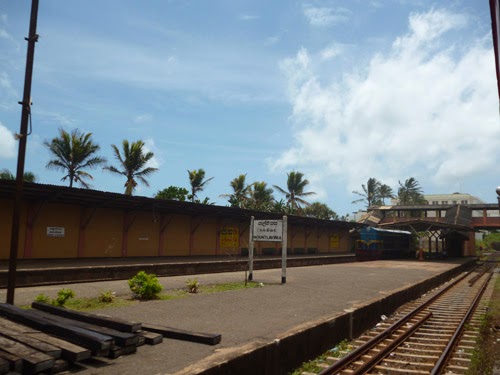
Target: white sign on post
point(268, 230)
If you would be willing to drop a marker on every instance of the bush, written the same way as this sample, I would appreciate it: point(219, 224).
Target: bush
point(107, 296)
point(62, 296)
point(192, 286)
point(42, 298)
point(145, 286)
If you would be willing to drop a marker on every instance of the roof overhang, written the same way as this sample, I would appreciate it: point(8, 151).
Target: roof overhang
point(422, 225)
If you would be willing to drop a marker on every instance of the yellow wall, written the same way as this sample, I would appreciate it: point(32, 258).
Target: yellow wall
point(177, 236)
point(103, 235)
point(5, 227)
point(143, 236)
point(99, 233)
point(56, 215)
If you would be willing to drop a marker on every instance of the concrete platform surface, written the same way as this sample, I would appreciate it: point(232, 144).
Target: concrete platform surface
point(244, 317)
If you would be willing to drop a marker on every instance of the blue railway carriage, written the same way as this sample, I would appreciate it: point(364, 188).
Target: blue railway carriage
point(375, 243)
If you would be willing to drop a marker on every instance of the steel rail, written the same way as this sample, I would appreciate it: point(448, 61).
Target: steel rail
point(443, 360)
point(362, 349)
point(370, 364)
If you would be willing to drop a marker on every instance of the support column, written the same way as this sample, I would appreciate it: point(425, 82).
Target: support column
point(128, 219)
point(84, 222)
point(164, 223)
point(31, 215)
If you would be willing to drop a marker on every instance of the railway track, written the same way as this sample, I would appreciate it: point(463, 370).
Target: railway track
point(433, 335)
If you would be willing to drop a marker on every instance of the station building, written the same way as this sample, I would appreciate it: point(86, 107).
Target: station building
point(63, 222)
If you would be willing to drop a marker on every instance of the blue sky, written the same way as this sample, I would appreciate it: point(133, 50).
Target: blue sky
point(339, 90)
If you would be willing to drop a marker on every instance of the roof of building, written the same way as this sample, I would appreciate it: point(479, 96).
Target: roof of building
point(101, 199)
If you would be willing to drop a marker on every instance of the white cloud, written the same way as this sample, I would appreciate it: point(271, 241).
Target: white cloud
point(7, 143)
point(248, 17)
point(420, 110)
point(156, 160)
point(330, 52)
point(324, 16)
point(144, 118)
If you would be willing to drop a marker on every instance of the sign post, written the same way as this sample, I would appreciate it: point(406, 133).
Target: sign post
point(250, 251)
point(268, 231)
point(284, 250)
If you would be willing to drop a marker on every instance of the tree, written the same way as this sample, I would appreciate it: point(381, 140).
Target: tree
point(174, 193)
point(370, 193)
point(197, 182)
point(295, 190)
point(240, 194)
point(5, 174)
point(261, 196)
point(132, 164)
point(384, 191)
point(74, 153)
point(410, 193)
point(320, 211)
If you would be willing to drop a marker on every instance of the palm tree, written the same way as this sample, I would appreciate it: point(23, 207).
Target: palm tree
point(132, 164)
point(261, 196)
point(385, 191)
point(410, 192)
point(74, 153)
point(240, 191)
point(295, 190)
point(370, 193)
point(197, 182)
point(5, 174)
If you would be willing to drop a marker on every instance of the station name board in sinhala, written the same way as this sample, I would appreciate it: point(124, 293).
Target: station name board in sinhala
point(268, 230)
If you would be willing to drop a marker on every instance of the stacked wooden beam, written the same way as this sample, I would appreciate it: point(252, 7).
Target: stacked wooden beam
point(52, 338)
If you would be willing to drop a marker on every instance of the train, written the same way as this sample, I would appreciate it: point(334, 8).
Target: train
point(375, 243)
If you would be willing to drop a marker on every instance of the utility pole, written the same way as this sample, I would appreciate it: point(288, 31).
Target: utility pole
point(22, 136)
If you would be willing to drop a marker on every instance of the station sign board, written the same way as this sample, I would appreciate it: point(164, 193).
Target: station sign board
point(268, 230)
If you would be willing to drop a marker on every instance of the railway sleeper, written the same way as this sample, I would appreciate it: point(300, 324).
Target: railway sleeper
point(396, 371)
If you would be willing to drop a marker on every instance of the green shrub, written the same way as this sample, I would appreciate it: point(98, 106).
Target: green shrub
point(192, 286)
point(62, 296)
point(145, 286)
point(42, 298)
point(107, 296)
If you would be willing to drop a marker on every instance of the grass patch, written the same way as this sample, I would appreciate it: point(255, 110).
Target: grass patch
point(217, 288)
point(314, 365)
point(86, 304)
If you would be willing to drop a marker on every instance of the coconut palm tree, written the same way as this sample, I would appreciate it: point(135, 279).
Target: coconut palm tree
point(261, 196)
point(197, 182)
point(132, 164)
point(385, 192)
point(74, 153)
point(295, 190)
point(241, 190)
point(370, 193)
point(410, 192)
point(5, 174)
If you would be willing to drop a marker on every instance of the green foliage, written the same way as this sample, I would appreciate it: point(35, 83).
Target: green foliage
point(320, 211)
point(5, 174)
point(174, 193)
point(296, 183)
point(106, 296)
point(192, 285)
point(491, 241)
point(62, 296)
point(42, 298)
point(73, 154)
point(197, 181)
point(132, 164)
point(145, 286)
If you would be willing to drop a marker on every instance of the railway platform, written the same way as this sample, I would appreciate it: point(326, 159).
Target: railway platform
point(266, 330)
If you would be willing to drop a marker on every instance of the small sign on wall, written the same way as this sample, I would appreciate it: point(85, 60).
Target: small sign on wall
point(334, 242)
point(229, 237)
point(55, 231)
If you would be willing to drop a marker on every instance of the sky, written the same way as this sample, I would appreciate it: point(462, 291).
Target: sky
point(341, 91)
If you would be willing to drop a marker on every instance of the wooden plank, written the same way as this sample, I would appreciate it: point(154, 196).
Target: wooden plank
point(178, 334)
point(151, 338)
point(59, 366)
point(79, 336)
point(105, 321)
point(33, 360)
point(118, 351)
point(4, 366)
point(16, 363)
point(9, 331)
point(70, 352)
point(120, 338)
